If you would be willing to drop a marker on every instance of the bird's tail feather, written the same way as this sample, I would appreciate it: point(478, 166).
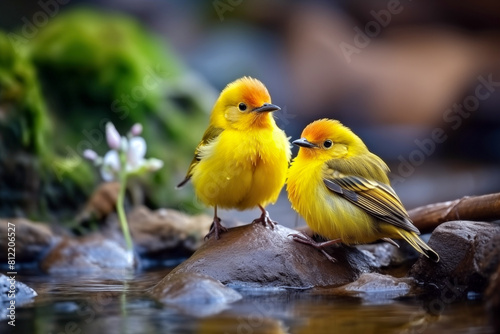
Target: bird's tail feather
point(420, 246)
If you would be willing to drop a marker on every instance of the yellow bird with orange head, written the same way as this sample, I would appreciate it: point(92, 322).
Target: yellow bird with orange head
point(343, 192)
point(242, 159)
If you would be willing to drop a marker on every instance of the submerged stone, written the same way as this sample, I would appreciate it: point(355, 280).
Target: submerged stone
point(374, 288)
point(10, 289)
point(194, 293)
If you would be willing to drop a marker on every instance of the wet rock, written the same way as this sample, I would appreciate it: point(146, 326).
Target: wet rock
point(23, 294)
point(194, 293)
point(389, 255)
point(375, 288)
point(382, 254)
point(493, 299)
point(260, 256)
point(165, 233)
point(160, 235)
point(32, 240)
point(88, 254)
point(470, 253)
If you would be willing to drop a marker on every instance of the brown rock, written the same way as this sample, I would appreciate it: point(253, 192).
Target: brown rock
point(101, 203)
point(198, 294)
point(32, 239)
point(88, 254)
point(493, 299)
point(469, 252)
point(166, 233)
point(257, 255)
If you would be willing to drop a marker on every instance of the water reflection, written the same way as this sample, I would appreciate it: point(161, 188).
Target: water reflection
point(120, 305)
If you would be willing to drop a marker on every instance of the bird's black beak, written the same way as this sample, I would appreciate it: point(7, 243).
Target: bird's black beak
point(302, 142)
point(267, 107)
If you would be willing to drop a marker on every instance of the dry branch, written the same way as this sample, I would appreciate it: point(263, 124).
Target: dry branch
point(479, 208)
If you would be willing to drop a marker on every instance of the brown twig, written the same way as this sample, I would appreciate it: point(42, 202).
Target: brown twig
point(479, 208)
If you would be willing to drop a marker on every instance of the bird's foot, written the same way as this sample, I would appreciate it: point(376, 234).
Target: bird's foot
point(307, 240)
point(217, 229)
point(265, 220)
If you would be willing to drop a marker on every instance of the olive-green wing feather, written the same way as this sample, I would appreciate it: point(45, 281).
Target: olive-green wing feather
point(374, 197)
point(210, 134)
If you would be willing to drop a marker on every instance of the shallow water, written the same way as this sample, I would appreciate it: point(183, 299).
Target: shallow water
point(118, 303)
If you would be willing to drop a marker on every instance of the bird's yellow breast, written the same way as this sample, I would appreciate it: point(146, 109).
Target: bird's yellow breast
point(326, 213)
point(242, 169)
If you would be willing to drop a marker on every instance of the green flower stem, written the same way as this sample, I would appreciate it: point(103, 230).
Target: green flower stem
point(120, 201)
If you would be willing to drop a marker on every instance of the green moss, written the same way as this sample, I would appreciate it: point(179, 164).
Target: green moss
point(29, 183)
point(23, 122)
point(59, 89)
point(99, 66)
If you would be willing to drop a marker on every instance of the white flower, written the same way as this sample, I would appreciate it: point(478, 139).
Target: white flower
point(135, 153)
point(112, 136)
point(90, 155)
point(153, 164)
point(132, 149)
point(135, 162)
point(136, 129)
point(110, 166)
point(125, 158)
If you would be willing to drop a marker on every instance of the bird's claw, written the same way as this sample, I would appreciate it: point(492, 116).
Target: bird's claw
point(265, 220)
point(302, 238)
point(307, 240)
point(328, 256)
point(216, 229)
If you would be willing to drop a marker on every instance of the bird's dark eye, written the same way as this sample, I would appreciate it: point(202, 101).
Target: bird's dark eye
point(242, 106)
point(327, 144)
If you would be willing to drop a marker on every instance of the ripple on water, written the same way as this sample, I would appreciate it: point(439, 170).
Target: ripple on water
point(120, 304)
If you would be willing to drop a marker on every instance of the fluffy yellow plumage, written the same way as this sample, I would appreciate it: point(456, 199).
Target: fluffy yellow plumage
point(342, 190)
point(242, 160)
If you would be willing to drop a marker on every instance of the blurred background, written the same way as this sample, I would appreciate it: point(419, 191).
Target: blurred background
point(418, 81)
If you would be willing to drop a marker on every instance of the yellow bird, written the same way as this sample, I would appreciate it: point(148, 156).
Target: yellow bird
point(343, 192)
point(242, 159)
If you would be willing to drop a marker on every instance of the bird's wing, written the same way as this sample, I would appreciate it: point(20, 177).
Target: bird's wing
point(376, 198)
point(210, 134)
